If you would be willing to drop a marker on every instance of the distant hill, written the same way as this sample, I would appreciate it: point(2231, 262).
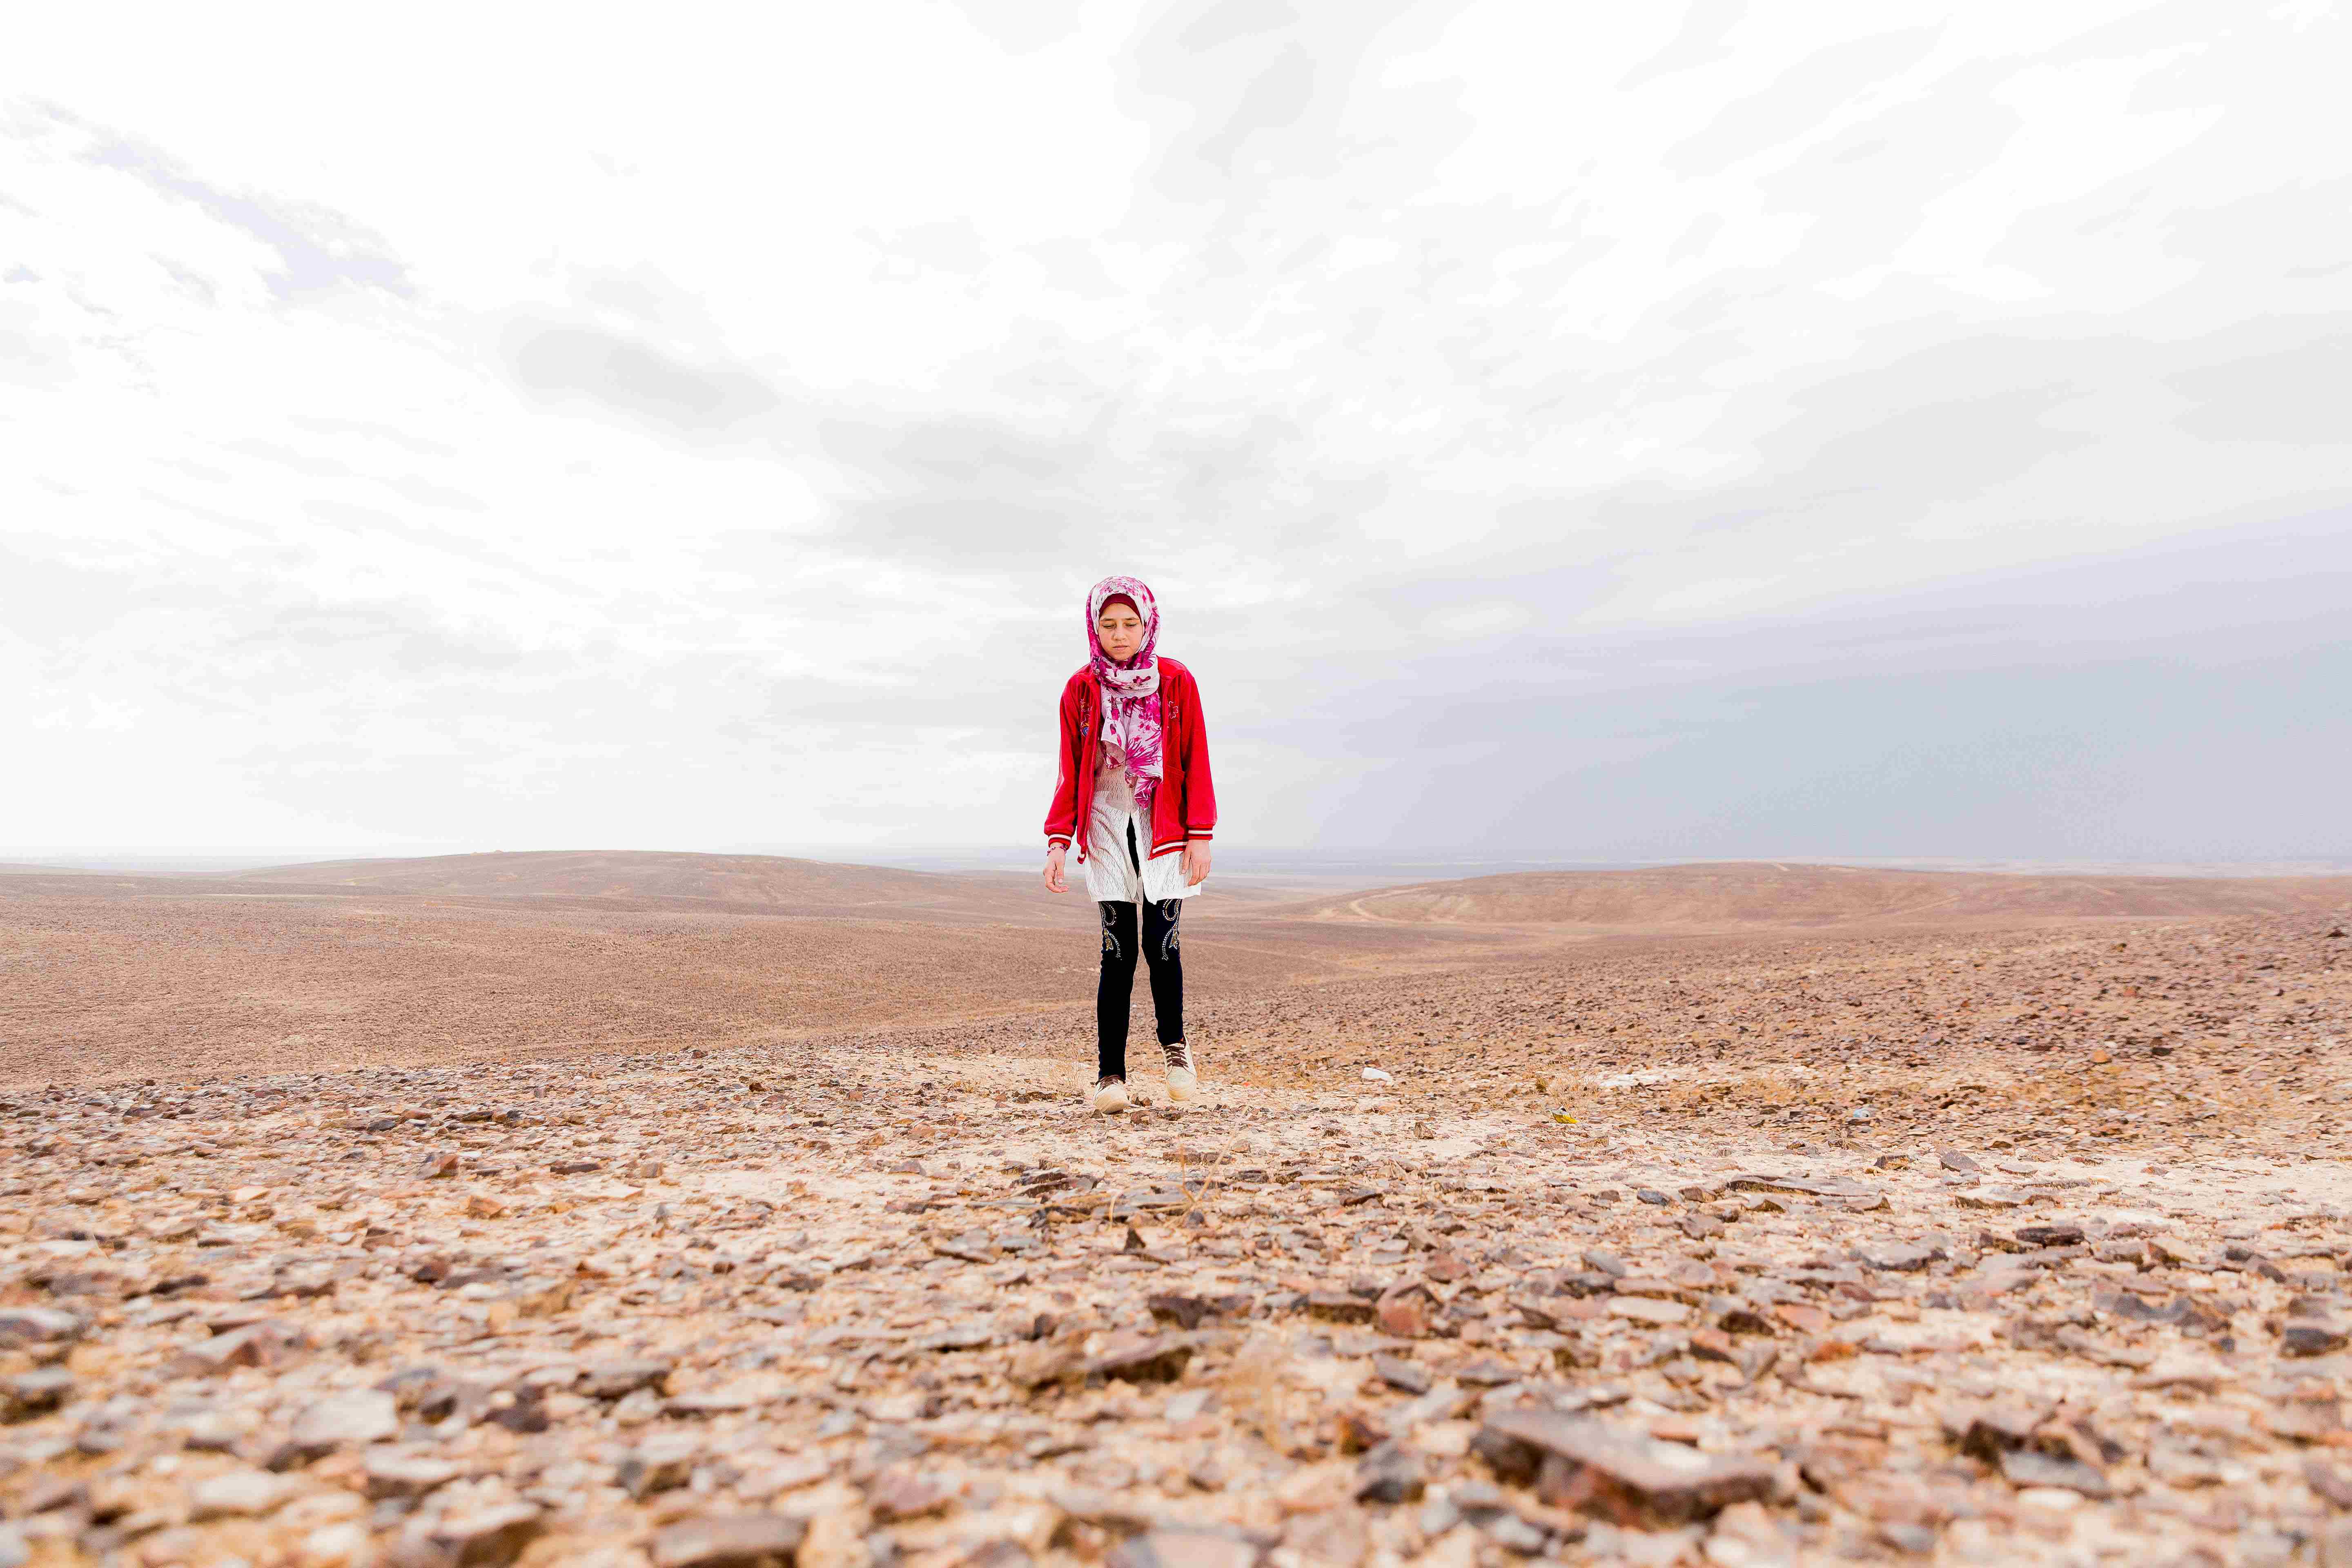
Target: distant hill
point(740, 884)
point(1744, 895)
point(601, 881)
point(732, 880)
point(617, 880)
point(1726, 896)
point(610, 873)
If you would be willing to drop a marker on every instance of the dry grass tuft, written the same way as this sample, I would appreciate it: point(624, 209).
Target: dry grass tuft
point(1256, 1386)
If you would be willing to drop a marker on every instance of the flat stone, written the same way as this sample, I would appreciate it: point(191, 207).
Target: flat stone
point(1157, 1360)
point(1582, 1464)
point(1899, 1258)
point(35, 1392)
point(730, 1540)
point(909, 1496)
point(614, 1379)
point(1186, 1405)
point(2302, 1423)
point(2040, 1236)
point(261, 1344)
point(1399, 1374)
point(1180, 1548)
point(38, 1325)
point(2312, 1336)
point(1389, 1475)
point(1804, 1186)
point(1804, 1318)
point(2328, 1482)
point(1339, 1307)
point(2025, 1468)
point(1035, 1365)
point(2179, 1468)
point(1405, 1313)
point(485, 1537)
point(1189, 1312)
point(239, 1494)
point(2179, 1379)
point(1159, 1200)
point(361, 1415)
point(1443, 1403)
point(659, 1463)
point(712, 1401)
point(1487, 1373)
point(1120, 1514)
point(973, 1247)
point(392, 1474)
point(1996, 1430)
point(1649, 1310)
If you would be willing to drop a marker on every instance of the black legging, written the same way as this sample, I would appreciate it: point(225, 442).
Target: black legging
point(1163, 954)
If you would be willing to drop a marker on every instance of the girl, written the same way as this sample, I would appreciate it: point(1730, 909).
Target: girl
point(1133, 794)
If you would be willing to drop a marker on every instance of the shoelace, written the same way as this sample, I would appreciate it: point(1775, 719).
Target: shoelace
point(1179, 1055)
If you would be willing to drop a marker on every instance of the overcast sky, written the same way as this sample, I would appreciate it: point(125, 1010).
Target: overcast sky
point(1552, 429)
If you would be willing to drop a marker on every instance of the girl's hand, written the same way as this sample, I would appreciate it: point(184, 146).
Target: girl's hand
point(1055, 883)
point(1196, 862)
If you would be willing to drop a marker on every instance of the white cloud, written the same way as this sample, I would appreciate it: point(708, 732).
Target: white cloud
point(421, 439)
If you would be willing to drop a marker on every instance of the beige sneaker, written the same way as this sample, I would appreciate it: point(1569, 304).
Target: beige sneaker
point(1110, 1096)
point(1183, 1078)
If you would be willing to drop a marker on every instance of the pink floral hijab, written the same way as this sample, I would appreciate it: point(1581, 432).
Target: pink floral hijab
point(1131, 691)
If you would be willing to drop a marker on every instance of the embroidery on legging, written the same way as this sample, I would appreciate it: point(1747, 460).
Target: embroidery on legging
point(1110, 932)
point(1168, 910)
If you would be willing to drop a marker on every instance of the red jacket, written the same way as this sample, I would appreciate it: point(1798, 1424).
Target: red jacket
point(1185, 805)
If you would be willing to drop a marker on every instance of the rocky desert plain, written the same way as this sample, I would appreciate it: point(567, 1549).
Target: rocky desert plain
point(678, 1210)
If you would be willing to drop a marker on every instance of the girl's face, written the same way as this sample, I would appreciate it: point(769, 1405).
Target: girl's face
point(1122, 631)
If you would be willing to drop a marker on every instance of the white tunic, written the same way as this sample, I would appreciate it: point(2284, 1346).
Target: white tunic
point(1111, 876)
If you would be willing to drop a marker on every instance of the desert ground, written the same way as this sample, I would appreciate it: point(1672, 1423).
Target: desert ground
point(682, 1210)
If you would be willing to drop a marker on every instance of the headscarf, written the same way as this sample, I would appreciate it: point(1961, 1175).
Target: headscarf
point(1131, 691)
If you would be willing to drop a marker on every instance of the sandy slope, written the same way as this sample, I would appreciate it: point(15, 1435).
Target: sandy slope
point(1749, 895)
point(472, 957)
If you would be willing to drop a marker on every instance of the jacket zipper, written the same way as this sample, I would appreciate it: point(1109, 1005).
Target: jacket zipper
point(1086, 772)
point(1084, 816)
